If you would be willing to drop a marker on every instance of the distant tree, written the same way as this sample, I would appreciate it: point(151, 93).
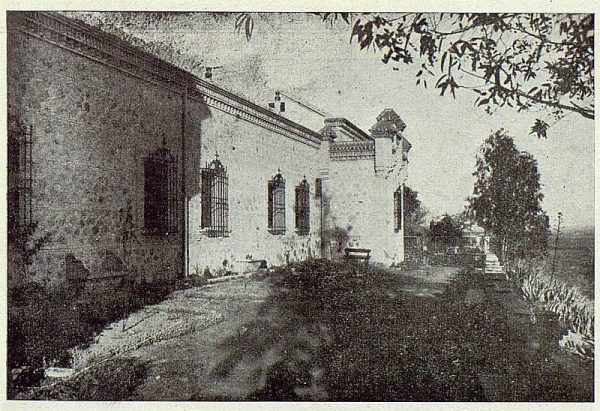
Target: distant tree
point(507, 196)
point(447, 229)
point(414, 213)
point(521, 60)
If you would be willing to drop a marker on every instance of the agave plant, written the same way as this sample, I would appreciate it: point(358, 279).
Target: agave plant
point(572, 307)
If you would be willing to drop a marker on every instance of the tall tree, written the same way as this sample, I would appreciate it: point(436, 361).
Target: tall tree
point(414, 213)
point(507, 196)
point(521, 60)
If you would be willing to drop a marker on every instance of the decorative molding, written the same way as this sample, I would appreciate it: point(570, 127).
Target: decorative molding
point(244, 112)
point(111, 50)
point(80, 37)
point(352, 150)
point(346, 125)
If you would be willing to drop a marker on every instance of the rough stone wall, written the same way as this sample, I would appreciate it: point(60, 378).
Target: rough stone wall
point(92, 127)
point(252, 156)
point(362, 203)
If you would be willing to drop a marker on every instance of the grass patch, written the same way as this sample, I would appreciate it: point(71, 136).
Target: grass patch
point(43, 324)
point(112, 380)
point(367, 338)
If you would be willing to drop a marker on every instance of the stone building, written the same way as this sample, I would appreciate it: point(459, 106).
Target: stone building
point(122, 164)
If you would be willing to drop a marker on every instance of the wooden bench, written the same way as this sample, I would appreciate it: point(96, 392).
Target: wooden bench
point(361, 254)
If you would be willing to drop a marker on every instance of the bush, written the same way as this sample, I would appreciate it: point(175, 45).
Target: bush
point(112, 380)
point(44, 323)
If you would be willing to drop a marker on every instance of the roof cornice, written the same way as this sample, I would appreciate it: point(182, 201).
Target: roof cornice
point(115, 52)
point(348, 126)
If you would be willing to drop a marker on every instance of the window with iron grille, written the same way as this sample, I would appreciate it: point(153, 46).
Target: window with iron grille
point(398, 209)
point(318, 187)
point(276, 204)
point(19, 178)
point(302, 208)
point(160, 193)
point(215, 207)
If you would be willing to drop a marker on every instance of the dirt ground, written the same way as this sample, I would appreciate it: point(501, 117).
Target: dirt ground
point(434, 334)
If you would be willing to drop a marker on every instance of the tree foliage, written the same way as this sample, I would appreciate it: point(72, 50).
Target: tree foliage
point(414, 213)
point(523, 61)
point(447, 228)
point(507, 196)
point(527, 61)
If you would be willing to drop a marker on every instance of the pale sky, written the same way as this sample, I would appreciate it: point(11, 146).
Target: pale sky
point(301, 54)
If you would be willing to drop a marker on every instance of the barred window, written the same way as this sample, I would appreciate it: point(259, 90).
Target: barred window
point(303, 208)
point(276, 204)
point(160, 192)
point(19, 178)
point(398, 209)
point(318, 187)
point(215, 207)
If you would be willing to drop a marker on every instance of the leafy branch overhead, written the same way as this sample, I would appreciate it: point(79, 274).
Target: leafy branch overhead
point(530, 62)
point(246, 22)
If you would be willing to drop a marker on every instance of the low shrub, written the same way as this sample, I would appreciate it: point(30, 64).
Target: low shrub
point(98, 384)
point(43, 323)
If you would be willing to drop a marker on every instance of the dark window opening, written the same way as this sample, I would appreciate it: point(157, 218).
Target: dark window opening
point(160, 193)
point(276, 204)
point(303, 208)
point(398, 209)
point(20, 178)
point(214, 195)
point(318, 187)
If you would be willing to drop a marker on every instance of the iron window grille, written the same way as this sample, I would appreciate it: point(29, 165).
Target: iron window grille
point(303, 208)
point(318, 187)
point(20, 178)
point(214, 194)
point(398, 209)
point(276, 204)
point(160, 193)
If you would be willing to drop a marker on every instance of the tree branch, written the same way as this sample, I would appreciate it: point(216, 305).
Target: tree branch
point(585, 112)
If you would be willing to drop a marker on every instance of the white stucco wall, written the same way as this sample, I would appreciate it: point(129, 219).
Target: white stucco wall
point(252, 156)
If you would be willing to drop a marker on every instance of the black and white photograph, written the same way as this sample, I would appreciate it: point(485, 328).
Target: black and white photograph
point(344, 205)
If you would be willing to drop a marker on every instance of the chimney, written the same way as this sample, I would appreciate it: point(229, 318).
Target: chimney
point(277, 106)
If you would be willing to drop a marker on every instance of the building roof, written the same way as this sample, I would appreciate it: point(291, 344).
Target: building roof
point(388, 123)
point(112, 50)
point(342, 126)
point(471, 227)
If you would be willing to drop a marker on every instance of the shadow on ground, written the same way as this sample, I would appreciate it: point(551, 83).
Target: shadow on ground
point(328, 334)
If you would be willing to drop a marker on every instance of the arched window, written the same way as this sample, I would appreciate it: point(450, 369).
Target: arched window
point(160, 192)
point(276, 204)
point(398, 209)
point(215, 207)
point(303, 208)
